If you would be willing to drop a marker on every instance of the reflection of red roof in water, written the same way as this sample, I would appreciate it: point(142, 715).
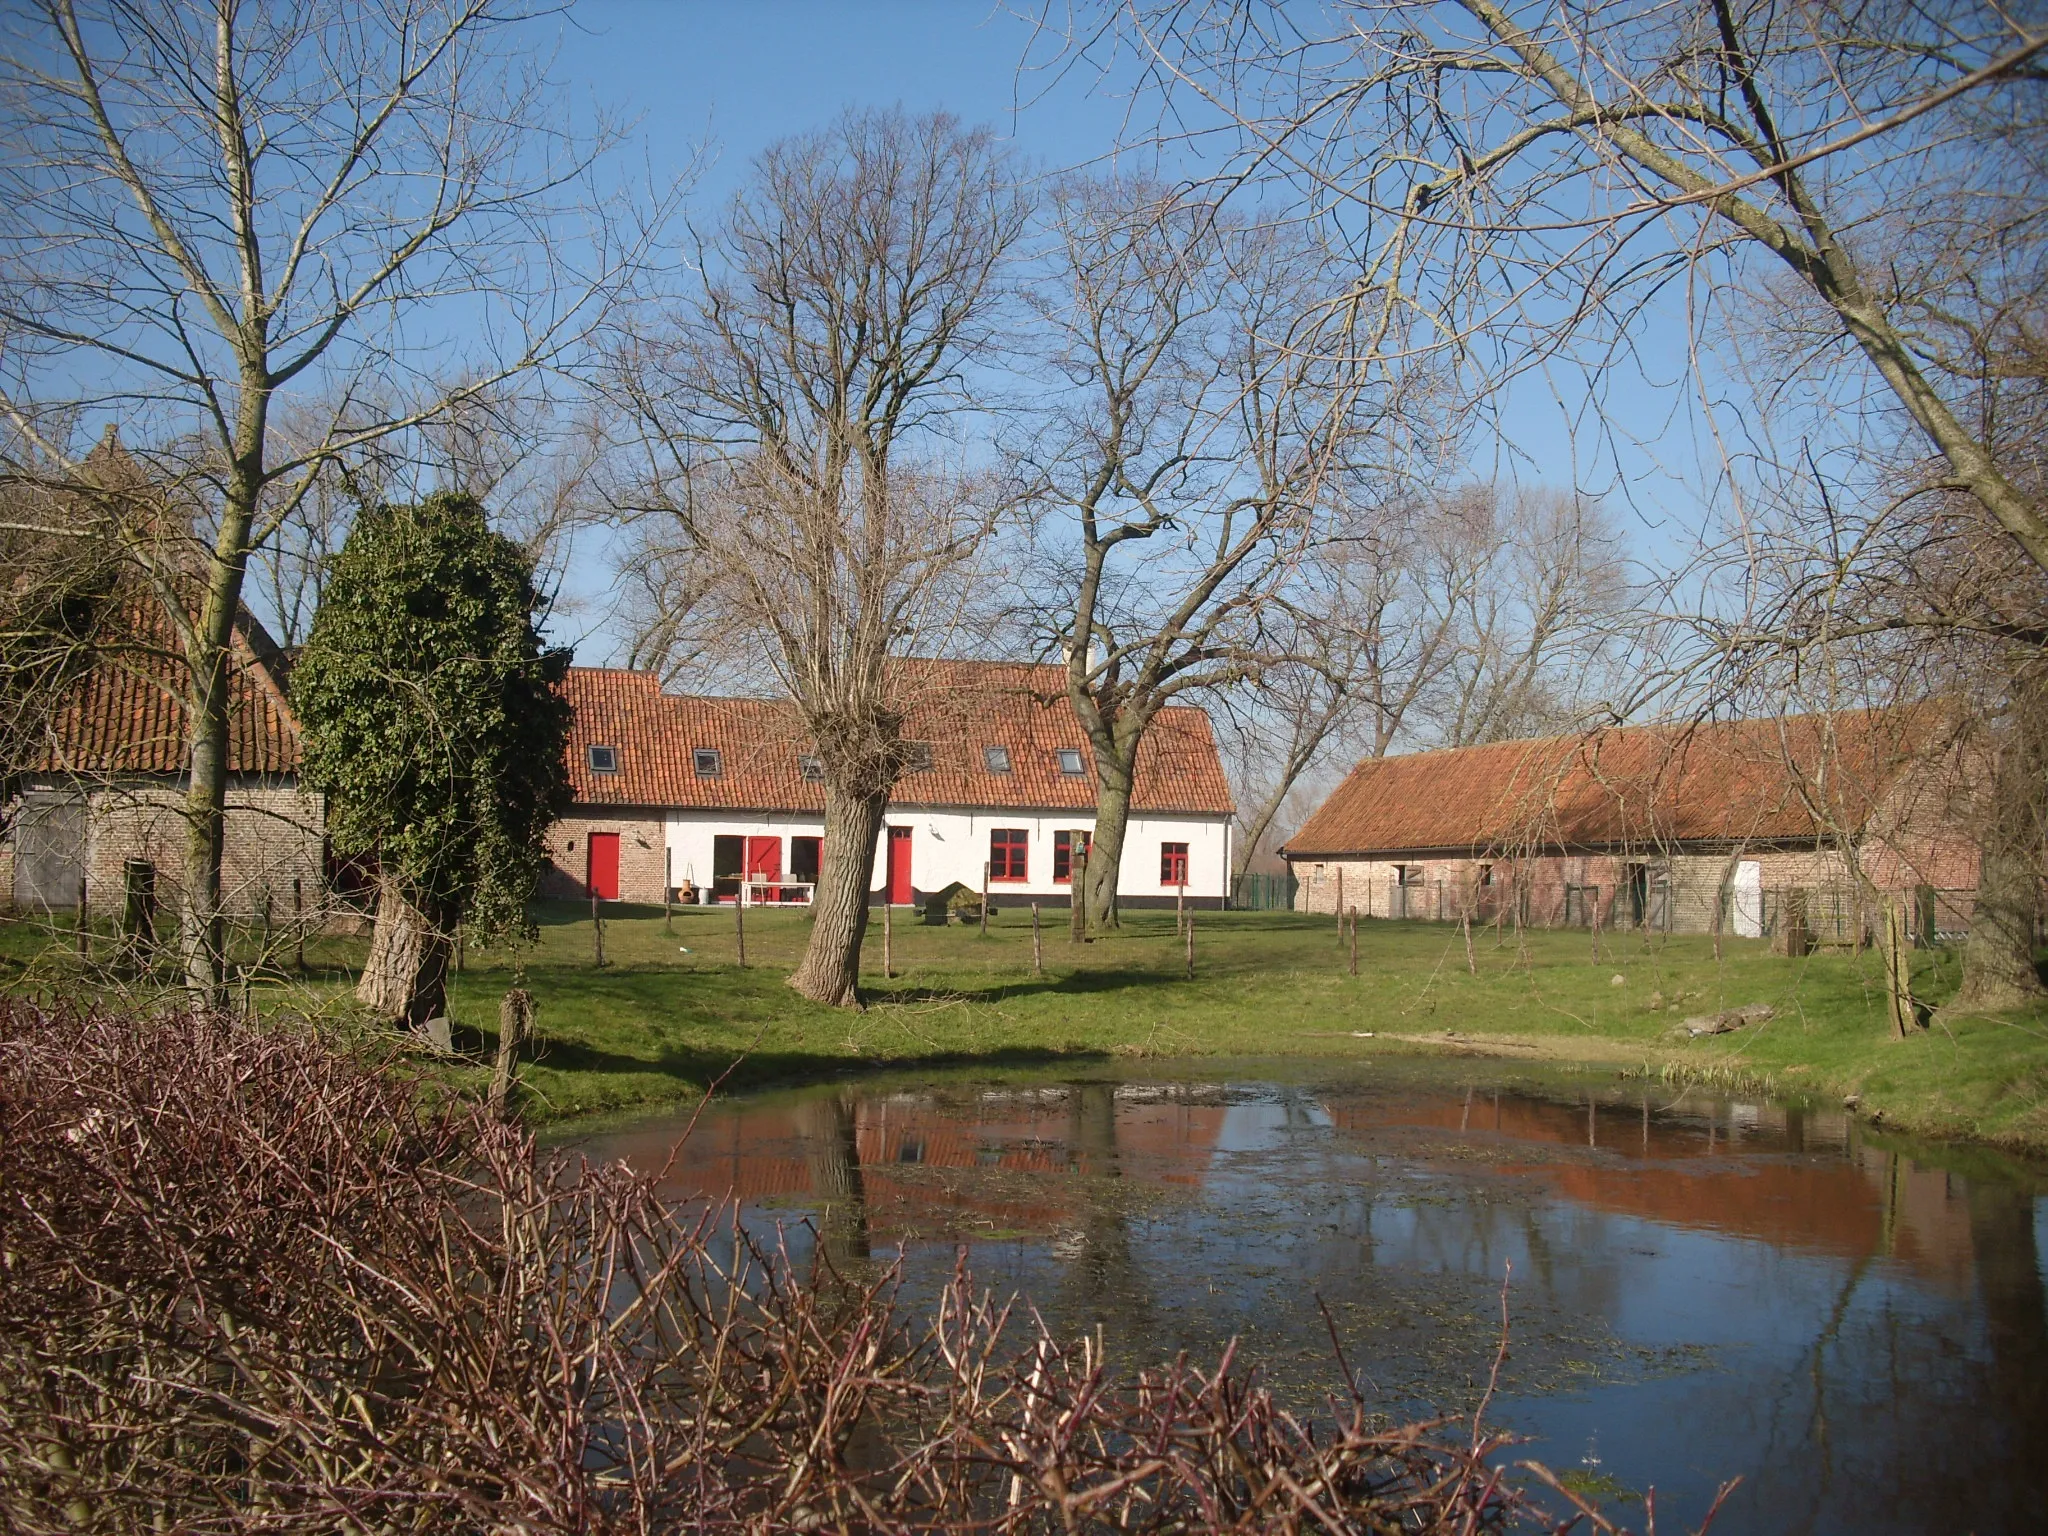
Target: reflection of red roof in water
point(784, 1150)
point(1689, 1174)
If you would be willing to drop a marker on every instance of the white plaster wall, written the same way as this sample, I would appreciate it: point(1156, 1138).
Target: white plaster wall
point(948, 846)
point(690, 834)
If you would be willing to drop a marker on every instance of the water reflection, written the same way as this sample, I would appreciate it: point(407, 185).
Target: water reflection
point(1702, 1287)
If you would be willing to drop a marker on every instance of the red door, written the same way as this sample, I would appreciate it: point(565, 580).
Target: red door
point(603, 877)
point(764, 860)
point(899, 867)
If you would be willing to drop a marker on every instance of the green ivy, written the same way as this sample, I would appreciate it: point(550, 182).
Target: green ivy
point(433, 717)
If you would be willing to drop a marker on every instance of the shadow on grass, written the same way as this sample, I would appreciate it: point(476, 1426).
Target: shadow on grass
point(693, 1066)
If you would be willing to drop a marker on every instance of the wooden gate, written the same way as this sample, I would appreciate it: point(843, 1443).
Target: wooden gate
point(49, 854)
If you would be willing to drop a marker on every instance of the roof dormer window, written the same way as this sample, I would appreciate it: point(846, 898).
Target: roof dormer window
point(708, 761)
point(603, 759)
point(917, 756)
point(1068, 761)
point(810, 768)
point(997, 758)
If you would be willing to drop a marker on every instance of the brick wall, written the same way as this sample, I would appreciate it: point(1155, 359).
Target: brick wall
point(642, 841)
point(1446, 889)
point(274, 834)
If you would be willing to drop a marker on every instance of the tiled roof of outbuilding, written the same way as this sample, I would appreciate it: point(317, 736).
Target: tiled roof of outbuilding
point(125, 713)
point(1783, 779)
point(960, 708)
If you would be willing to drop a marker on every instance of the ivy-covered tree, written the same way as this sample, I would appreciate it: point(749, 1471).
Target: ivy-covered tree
point(435, 725)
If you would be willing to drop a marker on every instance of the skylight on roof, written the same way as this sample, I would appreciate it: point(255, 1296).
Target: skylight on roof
point(708, 762)
point(997, 758)
point(1069, 762)
point(917, 756)
point(603, 759)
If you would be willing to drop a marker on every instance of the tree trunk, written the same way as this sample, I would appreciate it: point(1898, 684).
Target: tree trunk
point(405, 978)
point(1106, 851)
point(1998, 956)
point(830, 970)
point(199, 920)
point(209, 658)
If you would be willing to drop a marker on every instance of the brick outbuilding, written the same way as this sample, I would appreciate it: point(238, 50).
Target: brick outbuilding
point(1681, 828)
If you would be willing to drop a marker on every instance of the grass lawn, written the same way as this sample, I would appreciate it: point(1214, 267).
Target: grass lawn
point(671, 1009)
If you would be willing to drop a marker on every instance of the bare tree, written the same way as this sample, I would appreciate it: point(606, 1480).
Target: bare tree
point(1213, 405)
point(1547, 150)
point(1437, 620)
point(1864, 178)
point(218, 206)
point(1536, 599)
point(791, 414)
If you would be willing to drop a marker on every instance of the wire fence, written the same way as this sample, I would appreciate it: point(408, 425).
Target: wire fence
point(1831, 915)
point(1264, 893)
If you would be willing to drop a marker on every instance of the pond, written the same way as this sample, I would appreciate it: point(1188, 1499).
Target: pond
point(1697, 1286)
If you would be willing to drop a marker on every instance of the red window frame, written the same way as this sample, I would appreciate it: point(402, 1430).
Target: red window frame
point(1063, 851)
point(1009, 853)
point(1173, 864)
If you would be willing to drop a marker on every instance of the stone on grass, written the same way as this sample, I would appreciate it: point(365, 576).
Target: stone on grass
point(1721, 1023)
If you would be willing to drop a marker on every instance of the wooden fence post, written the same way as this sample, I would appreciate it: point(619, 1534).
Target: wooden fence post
point(1898, 975)
point(739, 922)
point(596, 931)
point(668, 890)
point(84, 922)
point(1077, 897)
point(1340, 903)
point(1037, 944)
point(299, 923)
point(1354, 941)
point(984, 898)
point(1471, 961)
point(138, 910)
point(888, 942)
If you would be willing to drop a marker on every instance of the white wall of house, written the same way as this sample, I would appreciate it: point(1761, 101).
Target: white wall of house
point(948, 846)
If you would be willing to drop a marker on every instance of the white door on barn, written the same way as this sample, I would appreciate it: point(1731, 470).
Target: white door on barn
point(1748, 900)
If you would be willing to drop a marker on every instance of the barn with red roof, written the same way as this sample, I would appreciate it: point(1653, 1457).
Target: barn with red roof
point(1678, 827)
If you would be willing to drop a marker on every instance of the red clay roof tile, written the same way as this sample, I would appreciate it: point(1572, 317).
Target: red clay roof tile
point(962, 709)
point(126, 713)
point(1790, 778)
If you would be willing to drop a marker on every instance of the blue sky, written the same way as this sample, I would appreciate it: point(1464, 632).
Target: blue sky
point(740, 75)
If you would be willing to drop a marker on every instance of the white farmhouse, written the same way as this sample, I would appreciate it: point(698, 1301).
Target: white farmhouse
point(715, 798)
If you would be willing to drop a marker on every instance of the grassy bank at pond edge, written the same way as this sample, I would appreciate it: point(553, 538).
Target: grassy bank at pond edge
point(670, 1009)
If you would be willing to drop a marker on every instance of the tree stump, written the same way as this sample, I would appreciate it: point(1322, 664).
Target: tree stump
point(515, 1022)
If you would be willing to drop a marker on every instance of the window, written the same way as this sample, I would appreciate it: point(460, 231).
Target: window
point(1486, 874)
point(603, 759)
point(728, 859)
point(917, 756)
point(707, 761)
point(1408, 876)
point(810, 768)
point(1063, 846)
point(1068, 760)
point(804, 858)
point(997, 758)
point(1007, 848)
point(1173, 863)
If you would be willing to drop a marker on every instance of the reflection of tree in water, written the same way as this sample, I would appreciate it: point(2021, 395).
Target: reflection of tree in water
point(1102, 1282)
point(831, 1153)
point(2015, 1323)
